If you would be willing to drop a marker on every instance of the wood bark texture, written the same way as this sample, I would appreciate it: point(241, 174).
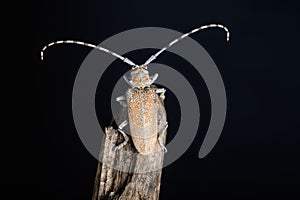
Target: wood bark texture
point(134, 179)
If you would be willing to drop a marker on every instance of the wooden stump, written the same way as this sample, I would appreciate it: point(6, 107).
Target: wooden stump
point(126, 174)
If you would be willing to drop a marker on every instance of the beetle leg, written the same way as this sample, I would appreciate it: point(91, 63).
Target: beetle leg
point(160, 137)
point(122, 125)
point(162, 92)
point(122, 100)
point(153, 78)
point(127, 81)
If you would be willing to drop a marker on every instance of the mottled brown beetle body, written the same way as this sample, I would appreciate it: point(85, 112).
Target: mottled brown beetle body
point(143, 106)
point(146, 115)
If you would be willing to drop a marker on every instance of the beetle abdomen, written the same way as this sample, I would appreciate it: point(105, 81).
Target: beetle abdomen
point(142, 114)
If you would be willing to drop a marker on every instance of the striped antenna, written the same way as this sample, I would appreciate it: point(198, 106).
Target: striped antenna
point(126, 60)
point(153, 57)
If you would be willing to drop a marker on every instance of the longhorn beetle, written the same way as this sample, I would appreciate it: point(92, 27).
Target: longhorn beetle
point(143, 103)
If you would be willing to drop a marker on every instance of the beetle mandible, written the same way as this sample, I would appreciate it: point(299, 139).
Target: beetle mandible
point(142, 105)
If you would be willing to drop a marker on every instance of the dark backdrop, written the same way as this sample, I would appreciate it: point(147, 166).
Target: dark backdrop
point(257, 155)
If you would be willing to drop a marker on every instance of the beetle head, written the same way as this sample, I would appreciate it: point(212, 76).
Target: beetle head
point(140, 78)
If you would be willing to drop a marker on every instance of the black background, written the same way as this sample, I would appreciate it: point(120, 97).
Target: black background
point(257, 155)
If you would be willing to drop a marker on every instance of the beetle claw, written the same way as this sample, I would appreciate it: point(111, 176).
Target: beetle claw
point(117, 148)
point(164, 149)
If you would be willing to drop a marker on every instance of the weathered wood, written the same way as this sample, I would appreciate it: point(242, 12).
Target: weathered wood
point(126, 174)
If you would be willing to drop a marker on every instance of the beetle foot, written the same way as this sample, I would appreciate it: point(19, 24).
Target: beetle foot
point(118, 147)
point(164, 149)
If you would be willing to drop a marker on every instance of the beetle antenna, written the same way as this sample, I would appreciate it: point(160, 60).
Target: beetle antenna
point(153, 57)
point(126, 60)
